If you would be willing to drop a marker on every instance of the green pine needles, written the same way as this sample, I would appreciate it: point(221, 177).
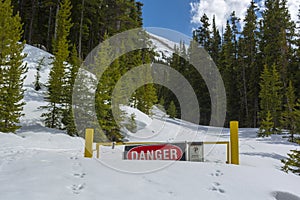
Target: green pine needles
point(11, 68)
point(292, 164)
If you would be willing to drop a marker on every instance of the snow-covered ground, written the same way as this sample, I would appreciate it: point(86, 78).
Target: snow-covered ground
point(39, 163)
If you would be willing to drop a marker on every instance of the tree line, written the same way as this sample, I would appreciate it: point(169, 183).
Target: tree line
point(123, 15)
point(259, 64)
point(69, 30)
point(91, 20)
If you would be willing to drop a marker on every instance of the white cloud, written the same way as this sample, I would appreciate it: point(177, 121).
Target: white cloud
point(294, 7)
point(223, 8)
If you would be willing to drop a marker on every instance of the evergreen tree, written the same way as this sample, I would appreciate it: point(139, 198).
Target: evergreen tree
point(297, 117)
point(250, 69)
point(289, 117)
point(197, 81)
point(12, 71)
point(172, 110)
point(295, 71)
point(235, 31)
point(229, 72)
point(37, 84)
point(278, 33)
point(104, 91)
point(70, 76)
point(267, 126)
point(162, 102)
point(56, 95)
point(292, 164)
point(131, 125)
point(270, 96)
point(146, 95)
point(215, 43)
point(202, 34)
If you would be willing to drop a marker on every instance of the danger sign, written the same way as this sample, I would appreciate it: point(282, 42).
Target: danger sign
point(155, 152)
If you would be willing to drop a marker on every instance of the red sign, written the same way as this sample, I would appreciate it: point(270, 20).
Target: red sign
point(155, 152)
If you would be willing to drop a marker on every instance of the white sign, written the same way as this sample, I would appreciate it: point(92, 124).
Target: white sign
point(196, 152)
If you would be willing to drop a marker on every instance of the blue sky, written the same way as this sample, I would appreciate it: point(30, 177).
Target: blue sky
point(171, 14)
point(184, 15)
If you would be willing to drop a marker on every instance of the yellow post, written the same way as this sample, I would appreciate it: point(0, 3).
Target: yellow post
point(234, 142)
point(89, 139)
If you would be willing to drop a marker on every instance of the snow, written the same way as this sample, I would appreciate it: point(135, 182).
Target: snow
point(164, 47)
point(35, 99)
point(140, 117)
point(41, 163)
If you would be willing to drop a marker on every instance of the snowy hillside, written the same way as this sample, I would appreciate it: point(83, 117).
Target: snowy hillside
point(44, 164)
point(35, 99)
point(163, 47)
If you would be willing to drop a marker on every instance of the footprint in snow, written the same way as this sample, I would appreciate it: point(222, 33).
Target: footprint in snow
point(77, 188)
point(79, 175)
point(217, 173)
point(216, 187)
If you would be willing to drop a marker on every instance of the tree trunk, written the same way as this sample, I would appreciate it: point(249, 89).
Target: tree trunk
point(245, 94)
point(56, 21)
point(49, 29)
point(31, 22)
point(80, 31)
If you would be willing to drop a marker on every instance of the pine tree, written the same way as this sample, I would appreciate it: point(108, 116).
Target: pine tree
point(270, 96)
point(57, 81)
point(196, 80)
point(131, 125)
point(267, 126)
point(12, 71)
point(250, 69)
point(103, 97)
point(202, 34)
point(146, 95)
point(292, 164)
point(228, 70)
point(278, 33)
point(297, 113)
point(172, 110)
point(289, 118)
point(162, 102)
point(70, 76)
point(37, 84)
point(215, 43)
point(295, 72)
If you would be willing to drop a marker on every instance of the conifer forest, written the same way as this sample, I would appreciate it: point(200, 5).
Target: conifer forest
point(258, 58)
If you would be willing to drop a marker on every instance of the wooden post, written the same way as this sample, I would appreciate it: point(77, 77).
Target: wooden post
point(234, 142)
point(89, 139)
point(228, 153)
